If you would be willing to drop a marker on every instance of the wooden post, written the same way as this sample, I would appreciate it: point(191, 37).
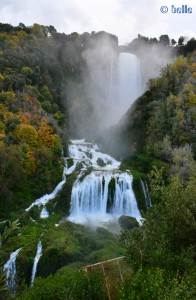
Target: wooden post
point(107, 286)
point(101, 265)
point(121, 277)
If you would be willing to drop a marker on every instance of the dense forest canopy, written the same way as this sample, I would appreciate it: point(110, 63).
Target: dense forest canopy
point(39, 69)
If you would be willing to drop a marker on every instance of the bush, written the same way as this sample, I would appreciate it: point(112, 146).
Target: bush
point(158, 284)
point(71, 285)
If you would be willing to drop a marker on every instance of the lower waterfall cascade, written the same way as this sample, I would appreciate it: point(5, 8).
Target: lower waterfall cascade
point(10, 269)
point(101, 191)
point(105, 193)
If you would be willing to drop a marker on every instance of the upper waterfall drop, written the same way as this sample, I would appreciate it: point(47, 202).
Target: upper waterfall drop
point(130, 83)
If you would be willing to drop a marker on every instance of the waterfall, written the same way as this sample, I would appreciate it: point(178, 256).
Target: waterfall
point(42, 201)
point(124, 87)
point(46, 198)
point(88, 154)
point(10, 269)
point(93, 196)
point(103, 194)
point(36, 260)
point(44, 213)
point(146, 193)
point(130, 84)
point(106, 191)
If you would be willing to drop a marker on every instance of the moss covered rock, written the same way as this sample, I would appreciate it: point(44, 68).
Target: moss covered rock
point(128, 223)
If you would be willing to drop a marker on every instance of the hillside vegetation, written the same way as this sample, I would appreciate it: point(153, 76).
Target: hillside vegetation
point(160, 132)
point(162, 123)
point(41, 76)
point(40, 69)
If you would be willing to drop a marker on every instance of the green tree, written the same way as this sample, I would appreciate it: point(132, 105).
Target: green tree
point(181, 41)
point(173, 42)
point(164, 39)
point(167, 237)
point(8, 230)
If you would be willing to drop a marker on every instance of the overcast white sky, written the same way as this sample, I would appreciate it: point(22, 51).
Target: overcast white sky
point(124, 18)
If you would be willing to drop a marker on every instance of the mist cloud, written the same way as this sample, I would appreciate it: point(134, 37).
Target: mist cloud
point(111, 83)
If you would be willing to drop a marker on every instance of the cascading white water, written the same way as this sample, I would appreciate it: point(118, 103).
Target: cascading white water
point(36, 260)
point(124, 87)
point(89, 153)
point(93, 196)
point(146, 193)
point(42, 201)
point(10, 269)
point(130, 84)
point(106, 193)
point(46, 198)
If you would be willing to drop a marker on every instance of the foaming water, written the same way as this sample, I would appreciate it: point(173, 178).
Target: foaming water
point(103, 195)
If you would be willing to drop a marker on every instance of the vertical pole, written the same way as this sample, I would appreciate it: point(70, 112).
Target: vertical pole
point(121, 277)
point(107, 286)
